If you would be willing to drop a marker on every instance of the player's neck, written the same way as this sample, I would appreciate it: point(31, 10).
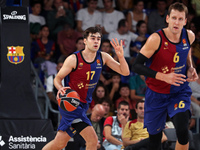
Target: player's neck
point(88, 55)
point(175, 38)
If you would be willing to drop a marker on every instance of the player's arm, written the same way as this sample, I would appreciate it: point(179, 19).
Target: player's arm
point(191, 73)
point(121, 66)
point(69, 64)
point(146, 52)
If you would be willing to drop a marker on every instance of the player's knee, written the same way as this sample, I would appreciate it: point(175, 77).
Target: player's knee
point(182, 136)
point(93, 142)
point(180, 122)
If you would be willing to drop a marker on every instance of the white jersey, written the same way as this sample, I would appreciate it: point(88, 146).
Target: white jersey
point(87, 19)
point(126, 40)
point(111, 20)
point(37, 19)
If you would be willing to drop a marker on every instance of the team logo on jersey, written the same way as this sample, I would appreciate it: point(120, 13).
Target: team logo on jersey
point(80, 85)
point(184, 42)
point(98, 62)
point(176, 106)
point(15, 54)
point(166, 45)
point(165, 69)
point(80, 65)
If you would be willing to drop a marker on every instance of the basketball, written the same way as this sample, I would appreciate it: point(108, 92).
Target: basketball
point(69, 101)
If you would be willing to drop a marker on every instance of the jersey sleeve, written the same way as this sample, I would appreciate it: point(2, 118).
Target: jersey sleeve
point(108, 121)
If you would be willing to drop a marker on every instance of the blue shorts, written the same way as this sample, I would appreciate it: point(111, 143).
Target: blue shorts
point(69, 117)
point(157, 106)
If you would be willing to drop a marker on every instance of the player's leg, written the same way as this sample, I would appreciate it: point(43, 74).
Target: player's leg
point(90, 137)
point(59, 142)
point(155, 141)
point(181, 122)
point(154, 117)
point(179, 111)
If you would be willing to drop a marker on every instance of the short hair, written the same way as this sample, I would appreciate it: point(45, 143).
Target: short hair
point(43, 26)
point(137, 1)
point(106, 41)
point(34, 3)
point(178, 6)
point(61, 59)
point(106, 100)
point(104, 1)
point(125, 103)
point(115, 74)
point(124, 85)
point(92, 30)
point(161, 1)
point(80, 38)
point(67, 26)
point(140, 22)
point(92, 0)
point(122, 23)
point(140, 101)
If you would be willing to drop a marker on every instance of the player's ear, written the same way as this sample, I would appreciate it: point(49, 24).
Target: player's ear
point(167, 18)
point(185, 21)
point(84, 41)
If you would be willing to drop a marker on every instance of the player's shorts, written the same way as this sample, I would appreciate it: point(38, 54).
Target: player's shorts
point(69, 117)
point(157, 106)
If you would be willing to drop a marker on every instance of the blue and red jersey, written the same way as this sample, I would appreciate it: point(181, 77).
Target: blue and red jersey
point(84, 78)
point(170, 57)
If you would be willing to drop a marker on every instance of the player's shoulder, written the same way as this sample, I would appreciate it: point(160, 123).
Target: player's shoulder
point(154, 38)
point(72, 59)
point(191, 35)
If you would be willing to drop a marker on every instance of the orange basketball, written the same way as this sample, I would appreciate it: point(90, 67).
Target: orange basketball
point(69, 101)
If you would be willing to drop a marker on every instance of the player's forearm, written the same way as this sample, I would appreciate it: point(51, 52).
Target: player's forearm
point(58, 82)
point(124, 67)
point(189, 60)
point(140, 68)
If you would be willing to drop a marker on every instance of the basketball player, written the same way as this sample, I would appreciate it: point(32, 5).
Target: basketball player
point(84, 68)
point(168, 69)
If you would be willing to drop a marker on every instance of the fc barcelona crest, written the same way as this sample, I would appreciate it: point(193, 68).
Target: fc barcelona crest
point(15, 54)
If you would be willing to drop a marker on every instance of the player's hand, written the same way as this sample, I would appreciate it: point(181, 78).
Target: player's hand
point(62, 91)
point(191, 74)
point(118, 47)
point(174, 78)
